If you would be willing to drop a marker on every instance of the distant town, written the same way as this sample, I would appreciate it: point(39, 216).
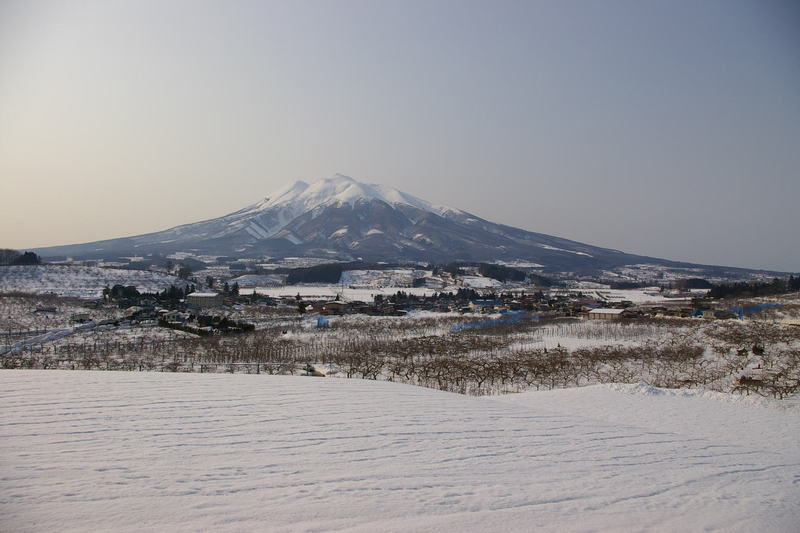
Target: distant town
point(381, 321)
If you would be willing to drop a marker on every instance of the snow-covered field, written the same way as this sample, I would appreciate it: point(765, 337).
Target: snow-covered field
point(254, 280)
point(79, 281)
point(637, 296)
point(107, 451)
point(480, 282)
point(398, 277)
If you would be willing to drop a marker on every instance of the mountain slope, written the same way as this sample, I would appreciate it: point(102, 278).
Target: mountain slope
point(341, 218)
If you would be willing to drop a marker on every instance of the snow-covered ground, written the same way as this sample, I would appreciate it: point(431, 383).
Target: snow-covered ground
point(480, 282)
point(649, 272)
point(636, 296)
point(255, 280)
point(106, 451)
point(79, 281)
point(398, 277)
point(590, 334)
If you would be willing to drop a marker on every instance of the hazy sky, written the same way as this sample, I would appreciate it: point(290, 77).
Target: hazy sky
point(663, 128)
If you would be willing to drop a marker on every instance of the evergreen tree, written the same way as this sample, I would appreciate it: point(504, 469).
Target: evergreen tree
point(8, 256)
point(28, 258)
point(184, 272)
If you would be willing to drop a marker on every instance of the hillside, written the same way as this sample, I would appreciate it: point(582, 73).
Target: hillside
point(340, 218)
point(107, 451)
point(80, 281)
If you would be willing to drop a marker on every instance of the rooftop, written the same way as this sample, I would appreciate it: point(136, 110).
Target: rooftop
point(606, 311)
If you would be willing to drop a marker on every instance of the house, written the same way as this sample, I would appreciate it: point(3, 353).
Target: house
point(174, 316)
point(204, 300)
point(333, 308)
point(605, 314)
point(484, 306)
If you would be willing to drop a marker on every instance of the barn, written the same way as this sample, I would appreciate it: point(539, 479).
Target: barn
point(605, 314)
point(204, 299)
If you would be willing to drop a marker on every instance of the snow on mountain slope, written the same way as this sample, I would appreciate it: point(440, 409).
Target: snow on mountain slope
point(288, 203)
point(106, 451)
point(340, 191)
point(337, 190)
point(343, 219)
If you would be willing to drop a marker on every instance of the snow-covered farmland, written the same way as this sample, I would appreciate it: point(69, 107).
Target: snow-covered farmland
point(472, 354)
point(79, 281)
point(19, 312)
point(108, 451)
point(481, 282)
point(255, 280)
point(650, 295)
point(382, 278)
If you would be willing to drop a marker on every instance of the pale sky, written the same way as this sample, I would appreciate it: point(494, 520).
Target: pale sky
point(664, 128)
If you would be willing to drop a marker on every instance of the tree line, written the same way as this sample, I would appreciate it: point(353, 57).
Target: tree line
point(14, 257)
point(748, 289)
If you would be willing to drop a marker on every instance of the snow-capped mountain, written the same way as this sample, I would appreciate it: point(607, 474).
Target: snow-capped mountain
point(273, 216)
point(341, 218)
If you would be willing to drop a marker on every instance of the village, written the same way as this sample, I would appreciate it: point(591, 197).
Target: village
point(469, 340)
point(233, 310)
point(208, 309)
point(216, 313)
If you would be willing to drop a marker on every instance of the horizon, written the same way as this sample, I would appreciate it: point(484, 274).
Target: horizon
point(667, 131)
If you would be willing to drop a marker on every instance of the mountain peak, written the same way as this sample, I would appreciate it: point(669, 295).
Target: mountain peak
point(338, 189)
point(288, 191)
